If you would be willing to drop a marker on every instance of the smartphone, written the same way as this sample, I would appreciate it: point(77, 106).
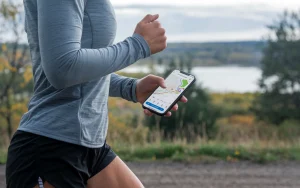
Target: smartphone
point(162, 100)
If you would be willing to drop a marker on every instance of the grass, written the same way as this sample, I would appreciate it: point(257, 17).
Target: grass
point(208, 153)
point(3, 156)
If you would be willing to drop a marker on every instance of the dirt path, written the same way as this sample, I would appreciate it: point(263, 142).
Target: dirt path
point(219, 175)
point(2, 177)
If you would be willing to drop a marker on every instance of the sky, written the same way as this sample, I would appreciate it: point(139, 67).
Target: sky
point(277, 4)
point(204, 20)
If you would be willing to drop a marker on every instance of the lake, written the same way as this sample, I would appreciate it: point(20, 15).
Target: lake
point(219, 79)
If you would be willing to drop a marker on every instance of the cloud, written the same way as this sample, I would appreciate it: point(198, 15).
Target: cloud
point(128, 11)
point(219, 36)
point(274, 4)
point(194, 24)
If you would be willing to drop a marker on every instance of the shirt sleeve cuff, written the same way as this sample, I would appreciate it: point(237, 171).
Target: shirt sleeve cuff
point(144, 44)
point(133, 91)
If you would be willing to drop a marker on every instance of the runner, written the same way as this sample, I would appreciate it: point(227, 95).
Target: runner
point(62, 137)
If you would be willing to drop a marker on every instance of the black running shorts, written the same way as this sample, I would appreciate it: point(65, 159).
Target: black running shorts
point(61, 164)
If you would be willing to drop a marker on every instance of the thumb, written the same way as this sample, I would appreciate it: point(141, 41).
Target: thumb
point(150, 18)
point(158, 80)
point(162, 84)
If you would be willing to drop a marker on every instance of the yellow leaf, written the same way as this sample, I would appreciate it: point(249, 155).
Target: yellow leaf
point(1, 67)
point(18, 55)
point(12, 69)
point(27, 75)
point(4, 48)
point(5, 64)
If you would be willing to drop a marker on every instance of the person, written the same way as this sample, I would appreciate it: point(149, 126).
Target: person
point(62, 137)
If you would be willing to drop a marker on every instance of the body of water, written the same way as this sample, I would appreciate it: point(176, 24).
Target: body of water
point(219, 79)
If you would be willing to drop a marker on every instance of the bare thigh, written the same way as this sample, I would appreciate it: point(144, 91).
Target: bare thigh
point(115, 175)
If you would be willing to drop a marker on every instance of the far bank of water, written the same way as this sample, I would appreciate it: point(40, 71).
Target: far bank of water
point(219, 79)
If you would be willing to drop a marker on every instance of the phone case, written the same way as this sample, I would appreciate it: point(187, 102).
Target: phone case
point(179, 97)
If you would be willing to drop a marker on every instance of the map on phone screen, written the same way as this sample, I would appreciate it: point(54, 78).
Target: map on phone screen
point(163, 98)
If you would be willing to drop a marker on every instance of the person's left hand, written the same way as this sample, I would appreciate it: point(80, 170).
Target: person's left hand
point(146, 86)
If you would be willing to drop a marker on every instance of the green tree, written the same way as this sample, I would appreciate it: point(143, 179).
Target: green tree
point(280, 81)
point(15, 69)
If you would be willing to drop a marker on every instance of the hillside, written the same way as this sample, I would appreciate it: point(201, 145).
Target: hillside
point(246, 53)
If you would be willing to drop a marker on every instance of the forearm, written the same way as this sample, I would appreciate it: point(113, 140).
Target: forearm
point(123, 87)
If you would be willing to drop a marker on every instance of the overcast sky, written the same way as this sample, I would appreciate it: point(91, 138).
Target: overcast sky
point(277, 4)
point(204, 20)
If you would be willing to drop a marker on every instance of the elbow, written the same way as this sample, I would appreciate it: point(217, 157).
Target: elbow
point(61, 72)
point(58, 85)
point(57, 80)
point(57, 76)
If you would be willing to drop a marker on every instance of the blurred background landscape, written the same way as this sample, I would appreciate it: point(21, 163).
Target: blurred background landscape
point(245, 105)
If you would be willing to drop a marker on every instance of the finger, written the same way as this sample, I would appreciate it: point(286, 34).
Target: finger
point(160, 35)
point(150, 18)
point(162, 41)
point(158, 80)
point(168, 114)
point(184, 99)
point(156, 24)
point(175, 107)
point(161, 46)
point(162, 31)
point(148, 113)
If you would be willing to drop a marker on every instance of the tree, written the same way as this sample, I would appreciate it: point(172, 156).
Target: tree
point(192, 120)
point(280, 80)
point(15, 70)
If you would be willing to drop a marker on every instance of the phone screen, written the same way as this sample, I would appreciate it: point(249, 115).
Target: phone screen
point(162, 99)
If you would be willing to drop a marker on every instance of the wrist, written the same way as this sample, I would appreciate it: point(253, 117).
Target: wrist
point(144, 44)
point(134, 92)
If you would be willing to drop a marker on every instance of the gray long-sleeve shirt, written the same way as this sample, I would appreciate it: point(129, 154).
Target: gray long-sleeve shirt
point(73, 66)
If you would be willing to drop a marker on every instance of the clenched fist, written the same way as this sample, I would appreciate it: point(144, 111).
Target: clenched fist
point(153, 33)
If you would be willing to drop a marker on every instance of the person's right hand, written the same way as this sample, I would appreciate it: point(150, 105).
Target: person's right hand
point(153, 33)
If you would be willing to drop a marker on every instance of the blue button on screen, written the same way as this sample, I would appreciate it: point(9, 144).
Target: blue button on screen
point(161, 109)
point(154, 106)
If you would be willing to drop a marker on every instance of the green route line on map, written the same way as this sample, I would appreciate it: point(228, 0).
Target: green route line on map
point(184, 83)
